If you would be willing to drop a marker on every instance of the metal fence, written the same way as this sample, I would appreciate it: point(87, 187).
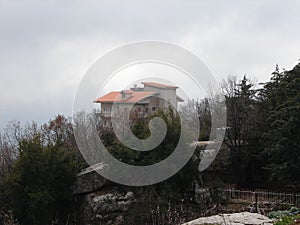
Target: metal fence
point(262, 196)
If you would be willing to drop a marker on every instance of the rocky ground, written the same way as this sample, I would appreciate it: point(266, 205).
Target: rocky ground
point(244, 218)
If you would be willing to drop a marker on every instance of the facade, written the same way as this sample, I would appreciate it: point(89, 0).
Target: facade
point(139, 102)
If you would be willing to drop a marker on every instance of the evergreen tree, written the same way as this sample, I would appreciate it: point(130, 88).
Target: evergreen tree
point(282, 97)
point(240, 106)
point(39, 188)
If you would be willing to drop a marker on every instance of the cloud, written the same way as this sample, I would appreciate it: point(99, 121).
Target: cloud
point(47, 46)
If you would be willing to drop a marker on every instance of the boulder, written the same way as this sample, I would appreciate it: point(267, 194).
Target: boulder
point(106, 208)
point(89, 180)
point(244, 218)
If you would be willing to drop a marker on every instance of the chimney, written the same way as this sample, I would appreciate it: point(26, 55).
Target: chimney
point(123, 94)
point(136, 88)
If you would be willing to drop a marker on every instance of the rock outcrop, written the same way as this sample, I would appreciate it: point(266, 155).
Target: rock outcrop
point(106, 208)
point(244, 218)
point(89, 180)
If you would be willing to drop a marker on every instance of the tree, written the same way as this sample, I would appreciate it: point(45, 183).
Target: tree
point(282, 98)
point(240, 107)
point(39, 188)
point(203, 110)
point(7, 157)
point(182, 179)
point(141, 130)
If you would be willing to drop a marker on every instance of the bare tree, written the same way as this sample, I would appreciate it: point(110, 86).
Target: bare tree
point(6, 156)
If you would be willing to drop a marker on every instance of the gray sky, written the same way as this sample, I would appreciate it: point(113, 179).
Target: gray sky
point(47, 46)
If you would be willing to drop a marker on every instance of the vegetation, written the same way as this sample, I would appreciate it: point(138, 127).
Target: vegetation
point(282, 98)
point(183, 179)
point(38, 186)
point(40, 183)
point(287, 220)
point(286, 213)
point(262, 129)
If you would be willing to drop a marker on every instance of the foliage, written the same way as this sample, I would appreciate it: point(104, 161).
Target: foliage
point(263, 127)
point(182, 179)
point(159, 206)
point(240, 103)
point(38, 189)
point(286, 220)
point(168, 216)
point(279, 214)
point(141, 130)
point(203, 110)
point(282, 144)
point(7, 218)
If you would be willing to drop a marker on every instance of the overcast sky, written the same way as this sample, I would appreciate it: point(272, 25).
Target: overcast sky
point(47, 46)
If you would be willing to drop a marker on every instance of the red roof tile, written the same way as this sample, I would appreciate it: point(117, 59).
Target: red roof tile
point(115, 96)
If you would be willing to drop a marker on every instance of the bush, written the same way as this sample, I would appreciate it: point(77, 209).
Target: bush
point(287, 220)
point(279, 214)
point(39, 188)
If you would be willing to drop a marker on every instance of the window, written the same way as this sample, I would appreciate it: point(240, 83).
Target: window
point(146, 109)
point(153, 109)
point(107, 109)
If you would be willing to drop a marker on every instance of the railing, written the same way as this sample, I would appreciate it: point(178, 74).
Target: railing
point(261, 196)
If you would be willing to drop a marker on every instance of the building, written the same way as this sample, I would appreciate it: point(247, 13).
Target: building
point(143, 101)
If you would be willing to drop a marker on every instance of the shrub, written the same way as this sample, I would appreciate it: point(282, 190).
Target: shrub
point(39, 188)
point(286, 220)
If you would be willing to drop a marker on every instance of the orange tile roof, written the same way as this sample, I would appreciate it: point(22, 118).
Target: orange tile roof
point(115, 96)
point(158, 85)
point(110, 97)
